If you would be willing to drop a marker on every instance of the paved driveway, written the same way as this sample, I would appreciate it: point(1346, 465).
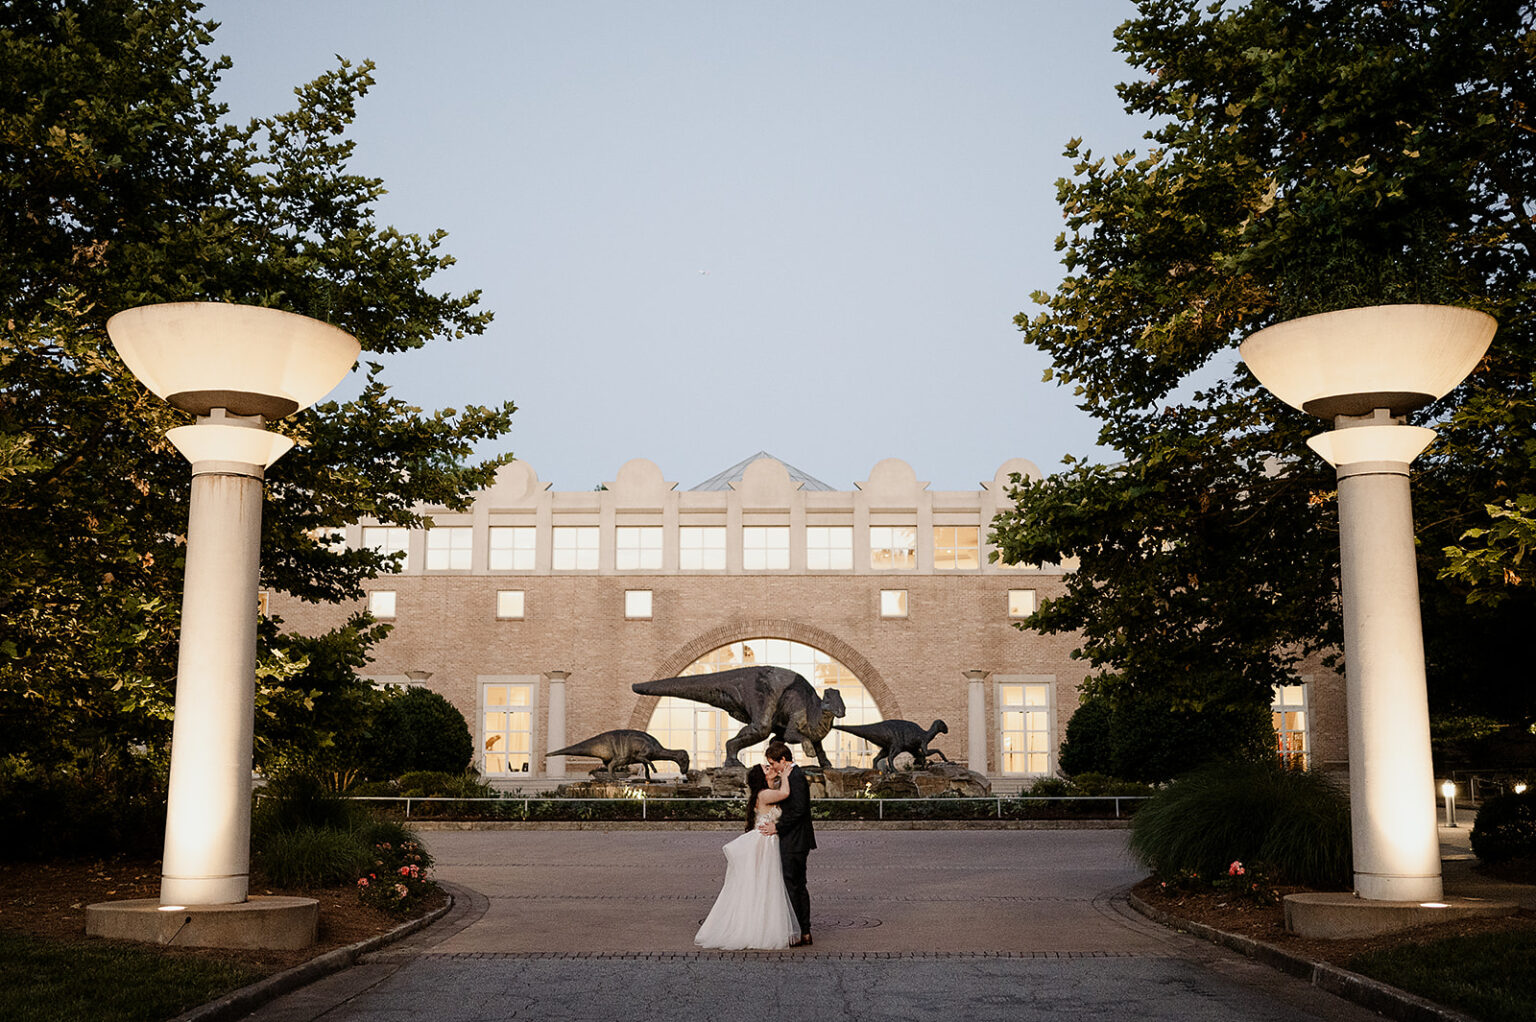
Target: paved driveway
point(974, 925)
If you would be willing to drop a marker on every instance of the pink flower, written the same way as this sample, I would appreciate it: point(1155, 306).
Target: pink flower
point(405, 871)
point(402, 890)
point(362, 881)
point(1236, 869)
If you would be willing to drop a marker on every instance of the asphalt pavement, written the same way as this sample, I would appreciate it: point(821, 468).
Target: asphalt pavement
point(930, 925)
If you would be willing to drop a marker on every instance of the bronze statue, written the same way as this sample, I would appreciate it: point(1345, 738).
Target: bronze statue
point(770, 701)
point(618, 749)
point(893, 737)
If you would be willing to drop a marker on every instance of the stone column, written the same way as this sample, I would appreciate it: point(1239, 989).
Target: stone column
point(976, 724)
point(554, 732)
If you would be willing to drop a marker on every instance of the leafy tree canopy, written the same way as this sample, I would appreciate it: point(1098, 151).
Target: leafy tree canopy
point(125, 183)
point(1306, 155)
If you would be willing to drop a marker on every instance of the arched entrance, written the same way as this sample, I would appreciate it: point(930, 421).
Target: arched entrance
point(703, 730)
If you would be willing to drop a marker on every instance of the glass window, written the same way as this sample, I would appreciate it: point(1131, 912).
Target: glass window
point(507, 726)
point(510, 603)
point(448, 548)
point(1021, 602)
point(1290, 717)
point(637, 603)
point(637, 546)
point(893, 603)
point(957, 546)
point(829, 547)
point(703, 730)
point(892, 547)
point(387, 539)
point(381, 603)
point(701, 547)
point(512, 547)
point(575, 548)
point(1024, 717)
point(765, 547)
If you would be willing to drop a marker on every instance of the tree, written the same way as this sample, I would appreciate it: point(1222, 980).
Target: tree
point(1308, 155)
point(125, 184)
point(419, 730)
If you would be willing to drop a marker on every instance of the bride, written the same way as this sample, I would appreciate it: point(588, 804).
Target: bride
point(753, 909)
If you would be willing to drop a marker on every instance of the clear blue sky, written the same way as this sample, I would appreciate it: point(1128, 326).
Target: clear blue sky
point(714, 227)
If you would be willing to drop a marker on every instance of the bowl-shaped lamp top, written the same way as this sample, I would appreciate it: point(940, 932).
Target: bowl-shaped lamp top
point(251, 361)
point(1354, 361)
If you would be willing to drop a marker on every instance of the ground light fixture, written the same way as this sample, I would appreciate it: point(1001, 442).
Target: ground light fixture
point(235, 367)
point(1448, 792)
point(1364, 370)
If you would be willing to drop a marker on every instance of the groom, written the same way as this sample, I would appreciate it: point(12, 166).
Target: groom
point(796, 836)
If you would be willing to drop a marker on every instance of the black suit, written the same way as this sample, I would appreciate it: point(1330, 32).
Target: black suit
point(796, 839)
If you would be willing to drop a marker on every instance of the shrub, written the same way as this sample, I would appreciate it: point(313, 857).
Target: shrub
point(1050, 787)
point(1506, 828)
point(1086, 747)
point(1152, 740)
point(398, 878)
point(1097, 784)
point(1296, 823)
point(299, 801)
point(311, 856)
point(419, 730)
point(436, 783)
point(67, 810)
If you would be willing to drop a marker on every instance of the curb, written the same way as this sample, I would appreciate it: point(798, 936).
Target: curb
point(239, 1003)
point(1362, 990)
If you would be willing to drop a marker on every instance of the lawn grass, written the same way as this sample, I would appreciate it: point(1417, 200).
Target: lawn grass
point(58, 980)
point(1491, 975)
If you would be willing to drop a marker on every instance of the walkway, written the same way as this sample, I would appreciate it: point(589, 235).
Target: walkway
point(975, 925)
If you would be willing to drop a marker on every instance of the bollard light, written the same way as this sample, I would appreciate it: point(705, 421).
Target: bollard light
point(1365, 370)
point(1448, 792)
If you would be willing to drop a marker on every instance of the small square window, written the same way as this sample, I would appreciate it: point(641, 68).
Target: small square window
point(381, 603)
point(637, 603)
point(509, 604)
point(893, 603)
point(263, 603)
point(1021, 602)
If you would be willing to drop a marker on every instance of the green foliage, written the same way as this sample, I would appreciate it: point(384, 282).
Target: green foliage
point(307, 857)
point(1506, 828)
point(439, 783)
point(125, 184)
point(398, 879)
point(1086, 748)
point(417, 730)
point(1295, 823)
point(1490, 976)
point(305, 835)
point(1492, 565)
point(69, 810)
point(1154, 736)
point(1305, 157)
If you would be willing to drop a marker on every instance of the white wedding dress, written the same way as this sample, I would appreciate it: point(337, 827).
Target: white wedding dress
point(753, 909)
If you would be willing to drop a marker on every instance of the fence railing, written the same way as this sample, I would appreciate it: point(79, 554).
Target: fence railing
point(1003, 806)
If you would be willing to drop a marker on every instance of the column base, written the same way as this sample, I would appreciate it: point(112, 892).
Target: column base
point(1337, 916)
point(271, 923)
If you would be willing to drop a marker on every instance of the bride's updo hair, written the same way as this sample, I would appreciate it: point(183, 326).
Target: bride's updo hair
point(757, 780)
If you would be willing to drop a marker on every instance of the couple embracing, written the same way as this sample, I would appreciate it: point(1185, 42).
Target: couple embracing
point(764, 902)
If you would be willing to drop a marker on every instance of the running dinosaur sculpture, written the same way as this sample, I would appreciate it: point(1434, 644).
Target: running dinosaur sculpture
point(768, 700)
point(897, 736)
point(618, 749)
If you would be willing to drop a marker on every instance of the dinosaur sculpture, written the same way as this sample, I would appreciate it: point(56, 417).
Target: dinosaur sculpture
point(897, 736)
point(768, 700)
point(618, 749)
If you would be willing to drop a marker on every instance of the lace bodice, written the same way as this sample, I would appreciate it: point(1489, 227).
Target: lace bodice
point(768, 816)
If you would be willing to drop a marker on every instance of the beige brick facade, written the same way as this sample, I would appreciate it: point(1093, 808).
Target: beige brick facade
point(573, 619)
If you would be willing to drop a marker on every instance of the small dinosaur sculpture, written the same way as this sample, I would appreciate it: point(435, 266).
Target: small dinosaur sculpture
point(618, 749)
point(768, 700)
point(897, 736)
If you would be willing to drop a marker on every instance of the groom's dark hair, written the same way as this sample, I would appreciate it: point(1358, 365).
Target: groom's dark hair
point(778, 751)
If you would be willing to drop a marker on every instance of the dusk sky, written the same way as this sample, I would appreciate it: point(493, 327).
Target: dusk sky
point(712, 228)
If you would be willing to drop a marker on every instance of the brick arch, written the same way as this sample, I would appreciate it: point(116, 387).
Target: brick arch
point(770, 628)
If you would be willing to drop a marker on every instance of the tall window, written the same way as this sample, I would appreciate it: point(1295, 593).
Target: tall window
point(828, 547)
point(957, 546)
point(703, 730)
point(506, 712)
point(1290, 716)
point(448, 548)
point(388, 539)
point(765, 547)
point(575, 548)
point(1024, 713)
point(701, 547)
point(512, 547)
point(892, 547)
point(637, 546)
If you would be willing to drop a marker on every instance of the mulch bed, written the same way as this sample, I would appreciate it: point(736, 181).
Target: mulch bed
point(49, 899)
point(1267, 923)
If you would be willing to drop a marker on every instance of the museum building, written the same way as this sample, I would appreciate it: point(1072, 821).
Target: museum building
point(536, 610)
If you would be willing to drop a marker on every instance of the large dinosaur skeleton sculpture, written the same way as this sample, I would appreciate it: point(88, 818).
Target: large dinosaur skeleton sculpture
point(770, 701)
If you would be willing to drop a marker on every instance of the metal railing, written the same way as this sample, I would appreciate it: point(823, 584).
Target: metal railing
point(879, 803)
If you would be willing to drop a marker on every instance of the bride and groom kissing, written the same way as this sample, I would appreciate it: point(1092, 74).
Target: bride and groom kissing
point(764, 902)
